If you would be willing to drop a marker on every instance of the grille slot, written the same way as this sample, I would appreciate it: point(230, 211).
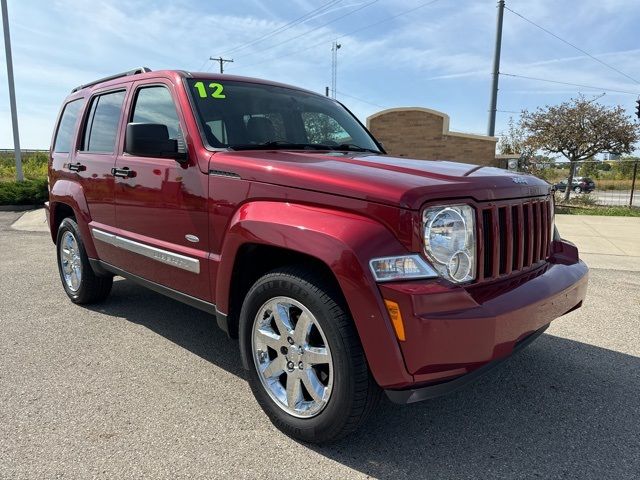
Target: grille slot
point(514, 237)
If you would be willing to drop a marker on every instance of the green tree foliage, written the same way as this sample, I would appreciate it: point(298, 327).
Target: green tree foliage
point(579, 129)
point(623, 169)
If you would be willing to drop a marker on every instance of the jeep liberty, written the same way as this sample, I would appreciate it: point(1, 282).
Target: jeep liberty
point(343, 272)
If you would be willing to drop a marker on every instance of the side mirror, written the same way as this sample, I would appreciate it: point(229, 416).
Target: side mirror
point(151, 140)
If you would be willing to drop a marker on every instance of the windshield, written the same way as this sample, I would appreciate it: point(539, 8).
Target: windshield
point(246, 116)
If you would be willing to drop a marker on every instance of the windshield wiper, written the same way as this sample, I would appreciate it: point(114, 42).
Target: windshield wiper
point(283, 144)
point(352, 147)
point(279, 144)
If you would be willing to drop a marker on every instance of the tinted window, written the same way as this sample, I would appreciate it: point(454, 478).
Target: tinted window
point(102, 125)
point(64, 135)
point(322, 128)
point(155, 105)
point(255, 115)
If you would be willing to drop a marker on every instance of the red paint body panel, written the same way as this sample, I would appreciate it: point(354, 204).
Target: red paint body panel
point(341, 208)
point(343, 241)
point(465, 328)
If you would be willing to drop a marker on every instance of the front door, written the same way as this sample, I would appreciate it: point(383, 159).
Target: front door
point(161, 204)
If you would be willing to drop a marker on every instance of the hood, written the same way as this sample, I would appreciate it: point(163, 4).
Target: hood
point(383, 179)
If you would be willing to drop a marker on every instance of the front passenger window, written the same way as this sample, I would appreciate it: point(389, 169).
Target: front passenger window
point(155, 105)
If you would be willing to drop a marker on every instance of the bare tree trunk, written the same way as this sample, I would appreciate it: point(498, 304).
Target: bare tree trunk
point(572, 171)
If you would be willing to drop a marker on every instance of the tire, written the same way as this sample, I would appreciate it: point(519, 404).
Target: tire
point(79, 280)
point(346, 393)
point(577, 190)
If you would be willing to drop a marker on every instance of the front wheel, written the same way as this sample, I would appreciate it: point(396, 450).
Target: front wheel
point(80, 282)
point(306, 366)
point(577, 189)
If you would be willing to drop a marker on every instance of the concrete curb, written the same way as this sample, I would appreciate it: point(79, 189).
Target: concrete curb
point(32, 221)
point(18, 208)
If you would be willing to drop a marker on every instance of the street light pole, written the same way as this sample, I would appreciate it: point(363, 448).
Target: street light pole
point(12, 91)
point(335, 46)
point(496, 72)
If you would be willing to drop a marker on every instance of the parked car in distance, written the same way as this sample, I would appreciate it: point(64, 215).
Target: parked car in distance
point(342, 271)
point(578, 185)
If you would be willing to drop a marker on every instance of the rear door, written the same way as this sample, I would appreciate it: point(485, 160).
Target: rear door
point(161, 204)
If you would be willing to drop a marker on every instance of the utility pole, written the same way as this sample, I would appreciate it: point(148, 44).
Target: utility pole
point(334, 67)
point(496, 72)
point(222, 61)
point(12, 91)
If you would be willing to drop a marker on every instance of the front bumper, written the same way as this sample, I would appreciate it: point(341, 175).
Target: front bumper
point(412, 395)
point(455, 333)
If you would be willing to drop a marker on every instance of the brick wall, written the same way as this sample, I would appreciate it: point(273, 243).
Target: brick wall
point(424, 134)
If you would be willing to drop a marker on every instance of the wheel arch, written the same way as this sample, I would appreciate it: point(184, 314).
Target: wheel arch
point(338, 244)
point(67, 198)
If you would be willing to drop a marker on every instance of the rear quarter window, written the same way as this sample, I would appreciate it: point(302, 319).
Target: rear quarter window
point(66, 128)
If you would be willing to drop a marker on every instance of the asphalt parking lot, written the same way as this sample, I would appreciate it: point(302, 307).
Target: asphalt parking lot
point(143, 386)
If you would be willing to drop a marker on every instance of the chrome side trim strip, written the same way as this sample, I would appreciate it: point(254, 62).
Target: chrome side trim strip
point(103, 236)
point(163, 256)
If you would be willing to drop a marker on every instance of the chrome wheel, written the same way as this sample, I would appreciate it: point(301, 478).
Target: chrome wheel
point(70, 261)
point(292, 357)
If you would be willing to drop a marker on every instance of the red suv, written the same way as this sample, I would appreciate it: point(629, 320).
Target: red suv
point(344, 272)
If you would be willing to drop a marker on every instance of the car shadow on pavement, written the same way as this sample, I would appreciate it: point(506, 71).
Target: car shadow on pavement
point(183, 325)
point(559, 409)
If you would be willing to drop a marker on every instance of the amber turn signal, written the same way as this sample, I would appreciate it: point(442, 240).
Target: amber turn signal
point(396, 319)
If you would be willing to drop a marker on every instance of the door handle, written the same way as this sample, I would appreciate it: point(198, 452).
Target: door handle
point(76, 167)
point(123, 172)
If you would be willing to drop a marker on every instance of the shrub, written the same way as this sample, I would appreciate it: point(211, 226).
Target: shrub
point(29, 192)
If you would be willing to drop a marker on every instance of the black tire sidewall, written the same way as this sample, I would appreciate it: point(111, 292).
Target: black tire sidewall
point(334, 416)
point(69, 225)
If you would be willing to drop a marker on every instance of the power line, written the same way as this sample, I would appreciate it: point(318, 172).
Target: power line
point(312, 30)
point(352, 32)
point(567, 83)
point(287, 26)
point(361, 100)
point(384, 20)
point(572, 45)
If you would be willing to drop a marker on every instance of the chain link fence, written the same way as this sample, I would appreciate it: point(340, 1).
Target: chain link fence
point(596, 182)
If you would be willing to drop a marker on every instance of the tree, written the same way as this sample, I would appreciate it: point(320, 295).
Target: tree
point(579, 129)
point(514, 142)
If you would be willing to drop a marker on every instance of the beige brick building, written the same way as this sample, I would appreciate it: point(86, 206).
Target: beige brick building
point(424, 134)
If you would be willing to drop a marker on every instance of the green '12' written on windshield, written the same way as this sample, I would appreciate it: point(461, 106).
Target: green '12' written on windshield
point(215, 90)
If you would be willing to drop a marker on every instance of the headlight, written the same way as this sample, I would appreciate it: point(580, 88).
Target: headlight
point(450, 241)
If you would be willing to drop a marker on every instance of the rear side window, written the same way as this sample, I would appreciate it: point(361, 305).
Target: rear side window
point(64, 135)
point(155, 105)
point(102, 124)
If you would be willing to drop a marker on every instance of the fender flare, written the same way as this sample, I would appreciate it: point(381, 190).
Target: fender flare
point(343, 241)
point(71, 194)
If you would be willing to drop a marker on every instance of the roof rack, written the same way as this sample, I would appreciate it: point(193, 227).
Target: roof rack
point(135, 71)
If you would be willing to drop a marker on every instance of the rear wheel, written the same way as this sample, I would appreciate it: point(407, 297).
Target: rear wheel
point(306, 366)
point(80, 282)
point(577, 189)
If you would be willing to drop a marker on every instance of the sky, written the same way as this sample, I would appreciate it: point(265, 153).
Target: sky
point(394, 53)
